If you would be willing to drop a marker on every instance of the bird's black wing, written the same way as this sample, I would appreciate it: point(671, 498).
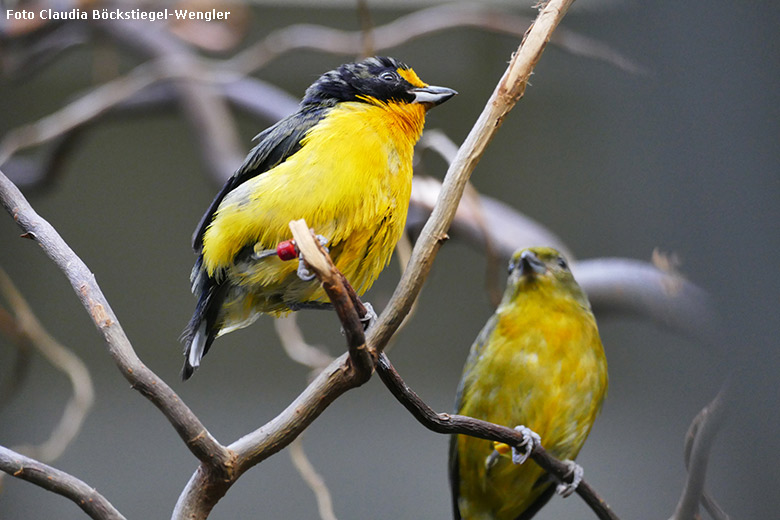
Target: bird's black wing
point(275, 145)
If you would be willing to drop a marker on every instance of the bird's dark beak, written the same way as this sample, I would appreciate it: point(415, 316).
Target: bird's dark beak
point(530, 264)
point(431, 95)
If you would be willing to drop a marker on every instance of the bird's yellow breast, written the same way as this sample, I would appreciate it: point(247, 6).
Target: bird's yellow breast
point(350, 181)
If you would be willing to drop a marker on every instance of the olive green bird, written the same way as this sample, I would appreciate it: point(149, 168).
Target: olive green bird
point(539, 363)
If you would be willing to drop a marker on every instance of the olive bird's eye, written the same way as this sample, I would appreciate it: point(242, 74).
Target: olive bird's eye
point(562, 263)
point(388, 76)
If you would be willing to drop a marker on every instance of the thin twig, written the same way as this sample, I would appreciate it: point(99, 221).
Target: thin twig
point(52, 479)
point(459, 424)
point(366, 28)
point(315, 482)
point(508, 91)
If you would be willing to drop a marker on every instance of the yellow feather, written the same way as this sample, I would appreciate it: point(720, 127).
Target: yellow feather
point(352, 183)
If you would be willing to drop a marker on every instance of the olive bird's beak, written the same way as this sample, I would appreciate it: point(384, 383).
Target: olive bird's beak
point(530, 264)
point(431, 95)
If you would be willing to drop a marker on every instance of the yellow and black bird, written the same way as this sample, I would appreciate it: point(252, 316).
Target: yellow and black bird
point(342, 162)
point(539, 363)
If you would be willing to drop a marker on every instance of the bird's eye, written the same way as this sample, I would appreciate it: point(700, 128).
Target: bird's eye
point(388, 76)
point(562, 263)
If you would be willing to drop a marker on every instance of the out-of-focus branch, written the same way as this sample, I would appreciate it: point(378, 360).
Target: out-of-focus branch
point(33, 333)
point(615, 286)
point(508, 229)
point(315, 482)
point(17, 372)
point(52, 479)
point(625, 287)
point(187, 425)
point(260, 99)
point(201, 104)
point(78, 112)
point(297, 348)
point(406, 28)
point(508, 91)
point(701, 435)
point(452, 424)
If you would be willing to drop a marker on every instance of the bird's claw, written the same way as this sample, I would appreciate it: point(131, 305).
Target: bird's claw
point(567, 488)
point(531, 439)
point(303, 272)
point(370, 317)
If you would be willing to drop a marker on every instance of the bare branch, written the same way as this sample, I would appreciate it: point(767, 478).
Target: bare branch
point(260, 99)
point(52, 479)
point(315, 482)
point(187, 425)
point(459, 424)
point(508, 91)
point(61, 358)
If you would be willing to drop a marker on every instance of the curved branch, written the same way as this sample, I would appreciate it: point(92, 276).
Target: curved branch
point(57, 481)
point(258, 98)
point(19, 369)
point(33, 333)
point(188, 426)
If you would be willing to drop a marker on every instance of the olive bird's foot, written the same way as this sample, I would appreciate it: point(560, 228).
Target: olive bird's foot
point(303, 271)
point(370, 318)
point(567, 488)
point(530, 441)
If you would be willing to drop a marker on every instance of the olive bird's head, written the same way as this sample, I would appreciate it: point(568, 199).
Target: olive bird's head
point(380, 78)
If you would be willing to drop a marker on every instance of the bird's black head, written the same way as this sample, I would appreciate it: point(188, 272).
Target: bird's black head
point(374, 79)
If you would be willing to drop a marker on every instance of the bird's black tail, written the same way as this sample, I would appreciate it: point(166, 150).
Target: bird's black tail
point(203, 327)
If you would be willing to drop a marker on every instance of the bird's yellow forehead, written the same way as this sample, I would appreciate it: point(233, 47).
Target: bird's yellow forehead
point(412, 77)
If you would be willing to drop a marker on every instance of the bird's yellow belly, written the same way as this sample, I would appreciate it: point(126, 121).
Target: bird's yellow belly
point(553, 383)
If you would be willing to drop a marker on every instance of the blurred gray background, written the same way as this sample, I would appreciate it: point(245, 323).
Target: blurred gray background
point(683, 158)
